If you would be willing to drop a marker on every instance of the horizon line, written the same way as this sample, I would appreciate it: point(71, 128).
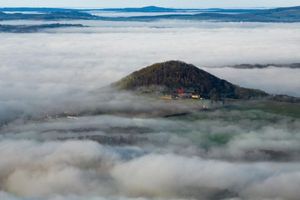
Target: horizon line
point(95, 8)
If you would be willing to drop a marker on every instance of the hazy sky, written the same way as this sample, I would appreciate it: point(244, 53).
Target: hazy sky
point(138, 3)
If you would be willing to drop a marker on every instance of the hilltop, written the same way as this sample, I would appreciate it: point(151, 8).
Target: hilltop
point(169, 77)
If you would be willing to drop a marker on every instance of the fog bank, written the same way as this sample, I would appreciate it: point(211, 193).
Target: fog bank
point(65, 136)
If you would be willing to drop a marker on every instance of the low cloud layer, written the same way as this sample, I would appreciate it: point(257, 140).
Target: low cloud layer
point(77, 169)
point(64, 137)
point(46, 71)
point(271, 79)
point(222, 154)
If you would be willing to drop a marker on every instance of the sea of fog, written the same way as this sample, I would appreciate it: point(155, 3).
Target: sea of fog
point(119, 146)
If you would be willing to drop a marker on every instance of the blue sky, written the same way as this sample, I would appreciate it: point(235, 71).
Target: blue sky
point(139, 3)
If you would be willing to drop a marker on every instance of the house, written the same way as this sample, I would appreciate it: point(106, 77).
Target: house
point(196, 96)
point(180, 93)
point(167, 97)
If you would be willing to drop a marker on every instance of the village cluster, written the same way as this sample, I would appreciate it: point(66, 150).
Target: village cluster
point(180, 93)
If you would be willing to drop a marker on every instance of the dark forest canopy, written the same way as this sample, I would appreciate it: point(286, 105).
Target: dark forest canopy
point(171, 75)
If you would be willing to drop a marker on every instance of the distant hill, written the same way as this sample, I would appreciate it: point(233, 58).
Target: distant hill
point(168, 77)
point(262, 66)
point(288, 14)
point(45, 14)
point(32, 9)
point(284, 15)
point(142, 9)
point(34, 28)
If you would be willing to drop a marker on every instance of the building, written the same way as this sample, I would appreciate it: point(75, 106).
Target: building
point(196, 96)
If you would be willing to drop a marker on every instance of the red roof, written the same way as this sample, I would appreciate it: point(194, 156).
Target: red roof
point(180, 91)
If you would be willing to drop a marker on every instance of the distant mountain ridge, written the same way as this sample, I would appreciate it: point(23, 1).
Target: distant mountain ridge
point(142, 9)
point(46, 14)
point(169, 76)
point(129, 9)
point(34, 28)
point(288, 14)
point(262, 66)
point(284, 15)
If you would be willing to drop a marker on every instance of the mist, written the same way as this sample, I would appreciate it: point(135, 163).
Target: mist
point(65, 64)
point(65, 134)
point(221, 154)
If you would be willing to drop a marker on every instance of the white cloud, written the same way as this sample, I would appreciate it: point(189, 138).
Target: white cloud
point(211, 153)
point(41, 71)
point(77, 169)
